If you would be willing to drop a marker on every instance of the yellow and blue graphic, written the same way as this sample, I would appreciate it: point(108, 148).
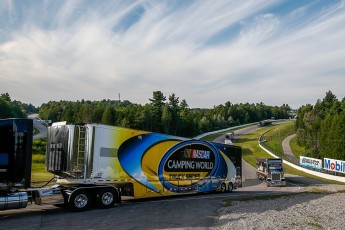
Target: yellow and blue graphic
point(174, 164)
point(144, 163)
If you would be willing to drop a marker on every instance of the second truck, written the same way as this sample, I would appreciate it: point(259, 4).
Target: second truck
point(271, 170)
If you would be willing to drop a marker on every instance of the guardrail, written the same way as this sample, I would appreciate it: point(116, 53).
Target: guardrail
point(312, 172)
point(223, 130)
point(232, 128)
point(278, 152)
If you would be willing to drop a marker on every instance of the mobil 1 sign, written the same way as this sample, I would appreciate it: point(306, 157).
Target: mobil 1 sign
point(334, 165)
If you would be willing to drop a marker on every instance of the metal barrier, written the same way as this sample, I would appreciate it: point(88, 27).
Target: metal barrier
point(279, 154)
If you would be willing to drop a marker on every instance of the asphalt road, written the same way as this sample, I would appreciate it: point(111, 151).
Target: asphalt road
point(182, 212)
point(43, 130)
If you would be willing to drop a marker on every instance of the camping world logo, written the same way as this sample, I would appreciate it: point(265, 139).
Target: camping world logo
point(187, 164)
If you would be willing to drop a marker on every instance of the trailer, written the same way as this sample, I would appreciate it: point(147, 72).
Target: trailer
point(271, 170)
point(97, 164)
point(264, 123)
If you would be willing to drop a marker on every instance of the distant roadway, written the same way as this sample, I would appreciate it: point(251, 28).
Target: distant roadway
point(43, 130)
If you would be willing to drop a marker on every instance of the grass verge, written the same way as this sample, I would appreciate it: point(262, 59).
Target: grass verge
point(275, 137)
point(39, 173)
point(251, 151)
point(297, 149)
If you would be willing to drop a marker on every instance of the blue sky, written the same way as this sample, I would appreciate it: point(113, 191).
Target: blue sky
point(207, 52)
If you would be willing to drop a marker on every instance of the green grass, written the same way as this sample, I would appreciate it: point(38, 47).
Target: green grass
point(38, 169)
point(250, 146)
point(314, 222)
point(41, 177)
point(296, 149)
point(38, 158)
point(275, 137)
point(39, 173)
point(251, 151)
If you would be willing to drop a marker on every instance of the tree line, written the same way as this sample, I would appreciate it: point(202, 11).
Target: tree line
point(164, 114)
point(14, 109)
point(321, 128)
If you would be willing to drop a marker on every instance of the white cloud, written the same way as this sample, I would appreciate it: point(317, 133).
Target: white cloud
point(78, 52)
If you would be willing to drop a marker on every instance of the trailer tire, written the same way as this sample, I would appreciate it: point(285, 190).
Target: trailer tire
point(105, 198)
point(223, 187)
point(230, 187)
point(79, 200)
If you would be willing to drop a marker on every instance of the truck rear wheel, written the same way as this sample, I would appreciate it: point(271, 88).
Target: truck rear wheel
point(223, 187)
point(79, 200)
point(105, 198)
point(230, 187)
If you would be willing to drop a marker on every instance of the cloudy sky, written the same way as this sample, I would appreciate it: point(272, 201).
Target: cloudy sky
point(207, 52)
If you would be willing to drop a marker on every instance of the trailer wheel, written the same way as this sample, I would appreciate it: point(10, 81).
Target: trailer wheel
point(223, 187)
point(80, 200)
point(230, 187)
point(105, 198)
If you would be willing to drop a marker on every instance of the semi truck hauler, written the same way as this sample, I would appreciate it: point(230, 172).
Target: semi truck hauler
point(264, 123)
point(271, 170)
point(96, 163)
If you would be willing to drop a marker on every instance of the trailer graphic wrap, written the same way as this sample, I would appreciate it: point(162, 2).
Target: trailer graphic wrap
point(167, 163)
point(132, 151)
point(96, 164)
point(145, 164)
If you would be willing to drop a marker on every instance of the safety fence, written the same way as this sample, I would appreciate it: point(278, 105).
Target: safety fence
point(276, 153)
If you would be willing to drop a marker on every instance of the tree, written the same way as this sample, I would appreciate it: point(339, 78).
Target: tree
point(5, 97)
point(5, 110)
point(157, 103)
point(108, 116)
point(328, 101)
point(174, 111)
point(68, 116)
point(204, 125)
point(166, 118)
point(321, 128)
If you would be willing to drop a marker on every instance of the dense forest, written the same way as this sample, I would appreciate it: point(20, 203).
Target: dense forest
point(321, 128)
point(14, 109)
point(161, 114)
